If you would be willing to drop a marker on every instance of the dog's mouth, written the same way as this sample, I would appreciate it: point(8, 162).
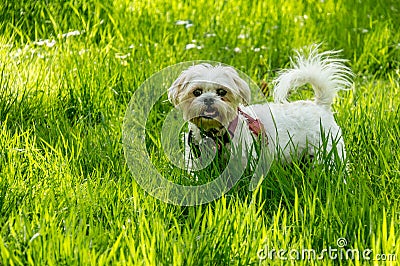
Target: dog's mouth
point(210, 113)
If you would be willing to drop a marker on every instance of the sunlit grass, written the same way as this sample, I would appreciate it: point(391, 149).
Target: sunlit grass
point(68, 70)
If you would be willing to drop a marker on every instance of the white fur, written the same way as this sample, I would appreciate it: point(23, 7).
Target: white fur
point(327, 75)
point(293, 128)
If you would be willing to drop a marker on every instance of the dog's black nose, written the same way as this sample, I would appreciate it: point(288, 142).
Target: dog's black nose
point(208, 101)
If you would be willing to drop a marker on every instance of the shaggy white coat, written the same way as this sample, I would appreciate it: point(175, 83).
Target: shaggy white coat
point(293, 128)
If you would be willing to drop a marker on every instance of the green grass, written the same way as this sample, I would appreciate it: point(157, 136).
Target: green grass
point(66, 194)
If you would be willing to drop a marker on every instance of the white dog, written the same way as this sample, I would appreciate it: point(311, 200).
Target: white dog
point(214, 100)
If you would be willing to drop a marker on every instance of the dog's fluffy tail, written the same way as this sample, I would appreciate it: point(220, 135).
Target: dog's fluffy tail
point(324, 71)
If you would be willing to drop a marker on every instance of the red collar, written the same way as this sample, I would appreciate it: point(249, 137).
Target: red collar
point(255, 125)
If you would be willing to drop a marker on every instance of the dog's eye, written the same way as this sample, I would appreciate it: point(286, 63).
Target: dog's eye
point(221, 92)
point(197, 92)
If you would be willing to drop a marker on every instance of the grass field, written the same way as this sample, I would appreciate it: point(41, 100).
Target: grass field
point(68, 72)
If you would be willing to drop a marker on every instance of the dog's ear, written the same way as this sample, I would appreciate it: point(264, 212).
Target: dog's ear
point(242, 86)
point(176, 87)
point(244, 91)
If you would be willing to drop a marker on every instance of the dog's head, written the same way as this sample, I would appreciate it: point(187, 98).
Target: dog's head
point(209, 96)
